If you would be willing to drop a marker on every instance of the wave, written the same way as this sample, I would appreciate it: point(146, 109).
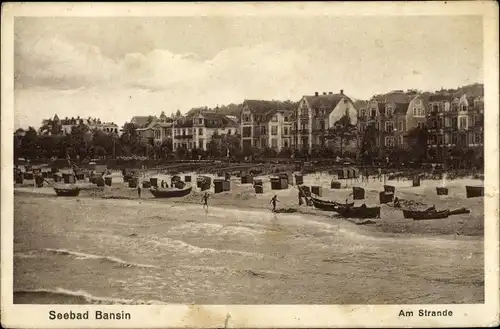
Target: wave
point(78, 297)
point(84, 256)
point(179, 244)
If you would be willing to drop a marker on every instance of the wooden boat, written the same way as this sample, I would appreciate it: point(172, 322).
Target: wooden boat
point(67, 191)
point(170, 193)
point(410, 213)
point(474, 191)
point(431, 215)
point(359, 212)
point(329, 205)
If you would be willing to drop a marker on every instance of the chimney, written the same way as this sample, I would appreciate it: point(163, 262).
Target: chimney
point(324, 93)
point(316, 94)
point(342, 91)
point(330, 93)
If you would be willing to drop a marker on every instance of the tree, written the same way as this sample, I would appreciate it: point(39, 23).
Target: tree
point(417, 140)
point(368, 145)
point(343, 131)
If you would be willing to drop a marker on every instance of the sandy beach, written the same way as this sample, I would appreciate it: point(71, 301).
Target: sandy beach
point(239, 252)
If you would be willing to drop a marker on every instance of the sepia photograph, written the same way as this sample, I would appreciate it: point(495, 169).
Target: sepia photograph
point(196, 158)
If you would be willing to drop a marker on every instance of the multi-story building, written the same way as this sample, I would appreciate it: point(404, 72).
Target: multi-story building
point(316, 116)
point(393, 115)
point(156, 129)
point(196, 131)
point(64, 126)
point(455, 121)
point(266, 124)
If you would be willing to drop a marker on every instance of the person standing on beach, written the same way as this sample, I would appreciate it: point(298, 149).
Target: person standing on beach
point(205, 200)
point(139, 191)
point(273, 201)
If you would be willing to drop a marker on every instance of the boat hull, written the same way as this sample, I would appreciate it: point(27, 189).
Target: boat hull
point(432, 215)
point(165, 194)
point(67, 192)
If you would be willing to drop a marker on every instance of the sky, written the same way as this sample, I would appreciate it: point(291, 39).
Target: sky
point(116, 67)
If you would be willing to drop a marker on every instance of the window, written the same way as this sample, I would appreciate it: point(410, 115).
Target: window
point(200, 143)
point(400, 124)
point(285, 131)
point(389, 126)
point(435, 107)
point(274, 130)
point(401, 140)
point(389, 141)
point(190, 145)
point(440, 122)
point(362, 113)
point(200, 131)
point(229, 131)
point(472, 122)
point(303, 111)
point(462, 123)
point(304, 127)
point(247, 131)
point(388, 111)
point(200, 121)
point(285, 119)
point(263, 130)
point(322, 125)
point(373, 113)
point(454, 138)
point(285, 144)
point(274, 143)
point(418, 112)
point(246, 118)
point(440, 139)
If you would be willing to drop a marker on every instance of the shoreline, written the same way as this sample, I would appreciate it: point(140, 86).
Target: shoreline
point(383, 227)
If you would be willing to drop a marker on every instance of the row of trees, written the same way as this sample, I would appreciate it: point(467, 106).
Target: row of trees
point(84, 144)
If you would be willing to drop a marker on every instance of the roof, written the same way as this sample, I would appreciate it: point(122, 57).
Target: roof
point(259, 106)
point(396, 96)
point(268, 109)
point(329, 101)
point(142, 120)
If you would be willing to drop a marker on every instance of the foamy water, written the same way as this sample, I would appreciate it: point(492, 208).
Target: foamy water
point(145, 252)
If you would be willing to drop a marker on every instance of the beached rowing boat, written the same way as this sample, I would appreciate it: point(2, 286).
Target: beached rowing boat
point(328, 205)
point(71, 191)
point(170, 193)
point(431, 215)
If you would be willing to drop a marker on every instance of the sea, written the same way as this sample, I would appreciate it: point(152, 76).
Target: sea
point(95, 251)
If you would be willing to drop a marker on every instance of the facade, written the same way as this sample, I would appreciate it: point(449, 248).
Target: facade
point(315, 117)
point(158, 129)
point(266, 124)
point(393, 115)
point(455, 121)
point(64, 126)
point(196, 131)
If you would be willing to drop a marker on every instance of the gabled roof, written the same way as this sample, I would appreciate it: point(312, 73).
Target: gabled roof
point(329, 101)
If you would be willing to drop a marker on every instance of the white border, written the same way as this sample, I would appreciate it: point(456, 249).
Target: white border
point(31, 316)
